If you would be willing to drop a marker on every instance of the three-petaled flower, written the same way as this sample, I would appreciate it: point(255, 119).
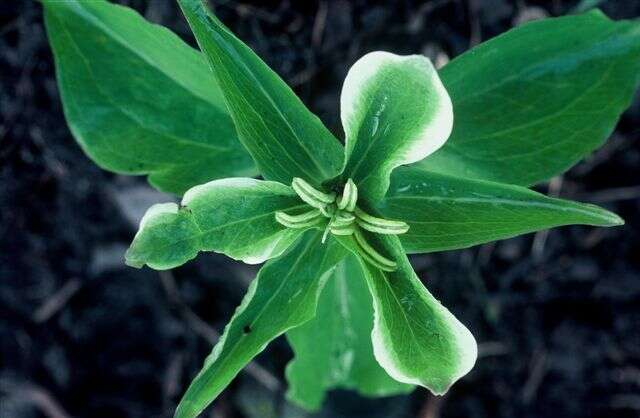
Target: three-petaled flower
point(395, 111)
point(342, 217)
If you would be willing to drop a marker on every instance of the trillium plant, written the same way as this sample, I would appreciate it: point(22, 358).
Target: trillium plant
point(432, 160)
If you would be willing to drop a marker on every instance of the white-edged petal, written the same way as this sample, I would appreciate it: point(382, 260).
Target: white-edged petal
point(394, 111)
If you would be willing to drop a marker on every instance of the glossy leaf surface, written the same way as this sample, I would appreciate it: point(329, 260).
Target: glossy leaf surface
point(394, 111)
point(138, 99)
point(233, 216)
point(415, 339)
point(535, 100)
point(283, 295)
point(446, 213)
point(334, 350)
point(285, 139)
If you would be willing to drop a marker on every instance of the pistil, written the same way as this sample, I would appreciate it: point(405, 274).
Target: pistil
point(344, 218)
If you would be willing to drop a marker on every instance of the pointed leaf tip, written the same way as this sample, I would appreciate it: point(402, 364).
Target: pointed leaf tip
point(283, 295)
point(446, 212)
point(121, 79)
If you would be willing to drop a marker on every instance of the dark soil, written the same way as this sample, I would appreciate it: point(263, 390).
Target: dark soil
point(81, 335)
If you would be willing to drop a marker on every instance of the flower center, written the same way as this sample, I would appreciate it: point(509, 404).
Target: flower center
point(342, 217)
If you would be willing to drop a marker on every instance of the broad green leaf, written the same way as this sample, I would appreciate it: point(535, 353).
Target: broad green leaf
point(234, 216)
point(415, 339)
point(285, 139)
point(532, 102)
point(138, 99)
point(283, 295)
point(394, 111)
point(333, 350)
point(445, 212)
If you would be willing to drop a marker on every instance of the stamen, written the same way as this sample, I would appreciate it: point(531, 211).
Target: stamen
point(379, 225)
point(344, 219)
point(371, 255)
point(349, 196)
point(304, 220)
point(310, 195)
point(305, 216)
point(343, 230)
point(354, 196)
point(387, 230)
point(328, 210)
point(326, 232)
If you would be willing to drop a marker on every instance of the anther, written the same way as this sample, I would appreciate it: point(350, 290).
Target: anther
point(310, 195)
point(304, 220)
point(371, 255)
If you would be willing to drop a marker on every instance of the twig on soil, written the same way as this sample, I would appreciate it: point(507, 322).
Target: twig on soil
point(56, 301)
point(201, 328)
point(492, 348)
point(418, 17)
point(540, 239)
point(610, 195)
point(616, 144)
point(539, 367)
point(319, 24)
point(475, 35)
point(221, 409)
point(432, 407)
point(626, 401)
point(485, 253)
point(303, 76)
point(172, 378)
point(39, 397)
point(244, 10)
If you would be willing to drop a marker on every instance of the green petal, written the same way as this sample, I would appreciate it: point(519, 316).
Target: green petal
point(138, 99)
point(334, 350)
point(284, 138)
point(445, 212)
point(394, 111)
point(233, 216)
point(535, 100)
point(415, 339)
point(284, 295)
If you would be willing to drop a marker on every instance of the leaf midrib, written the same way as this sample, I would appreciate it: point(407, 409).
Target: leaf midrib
point(274, 106)
point(404, 314)
point(507, 202)
point(122, 110)
point(360, 128)
point(229, 356)
point(203, 232)
point(89, 17)
point(451, 85)
point(541, 120)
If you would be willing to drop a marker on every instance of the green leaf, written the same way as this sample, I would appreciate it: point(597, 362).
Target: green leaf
point(138, 99)
point(285, 139)
point(445, 212)
point(234, 216)
point(532, 102)
point(333, 350)
point(283, 295)
point(415, 339)
point(394, 111)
